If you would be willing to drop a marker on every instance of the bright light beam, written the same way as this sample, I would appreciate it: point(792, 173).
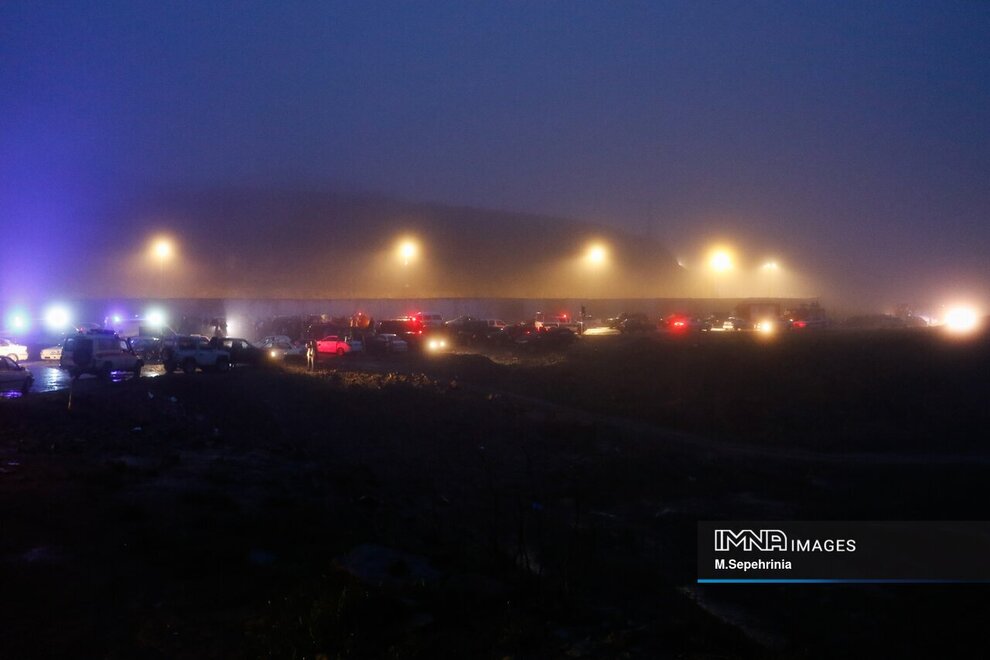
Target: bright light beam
point(407, 250)
point(720, 261)
point(596, 255)
point(18, 321)
point(162, 248)
point(155, 317)
point(961, 320)
point(57, 317)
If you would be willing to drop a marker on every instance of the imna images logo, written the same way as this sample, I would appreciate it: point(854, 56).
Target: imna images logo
point(747, 540)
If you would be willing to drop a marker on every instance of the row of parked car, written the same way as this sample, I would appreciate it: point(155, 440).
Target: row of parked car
point(14, 377)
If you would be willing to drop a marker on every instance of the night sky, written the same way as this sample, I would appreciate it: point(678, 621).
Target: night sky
point(851, 141)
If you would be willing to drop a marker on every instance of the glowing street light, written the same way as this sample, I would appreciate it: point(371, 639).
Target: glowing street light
point(596, 254)
point(155, 318)
point(408, 250)
point(18, 321)
point(770, 269)
point(162, 249)
point(720, 261)
point(57, 318)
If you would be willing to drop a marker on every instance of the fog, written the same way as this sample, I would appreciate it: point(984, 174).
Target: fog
point(848, 141)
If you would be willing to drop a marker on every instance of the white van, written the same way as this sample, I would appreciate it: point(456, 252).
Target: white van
point(430, 319)
point(98, 353)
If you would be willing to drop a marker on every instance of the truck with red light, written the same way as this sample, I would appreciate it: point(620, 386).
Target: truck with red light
point(407, 328)
point(682, 323)
point(544, 320)
point(429, 319)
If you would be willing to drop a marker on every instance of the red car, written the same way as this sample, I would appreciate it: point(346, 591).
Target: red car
point(332, 344)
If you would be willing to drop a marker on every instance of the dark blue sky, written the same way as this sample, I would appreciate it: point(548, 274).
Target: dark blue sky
point(851, 140)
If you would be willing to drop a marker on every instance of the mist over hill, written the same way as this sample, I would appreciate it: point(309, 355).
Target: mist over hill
point(301, 244)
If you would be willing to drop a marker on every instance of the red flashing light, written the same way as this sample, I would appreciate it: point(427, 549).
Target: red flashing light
point(800, 324)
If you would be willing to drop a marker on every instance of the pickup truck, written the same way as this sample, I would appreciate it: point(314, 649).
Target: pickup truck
point(191, 353)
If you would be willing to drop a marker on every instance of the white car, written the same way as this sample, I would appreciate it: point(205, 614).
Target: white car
point(16, 352)
point(52, 353)
point(98, 353)
point(279, 347)
point(194, 352)
point(14, 377)
point(430, 319)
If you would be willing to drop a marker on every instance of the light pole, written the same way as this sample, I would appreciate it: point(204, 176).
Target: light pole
point(720, 262)
point(596, 259)
point(770, 268)
point(407, 251)
point(162, 250)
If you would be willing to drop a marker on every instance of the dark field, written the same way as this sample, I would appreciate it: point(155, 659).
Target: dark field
point(525, 506)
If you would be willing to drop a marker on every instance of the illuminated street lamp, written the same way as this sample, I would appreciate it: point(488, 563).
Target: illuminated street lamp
point(162, 250)
point(770, 269)
point(155, 318)
point(720, 261)
point(596, 254)
point(595, 260)
point(408, 250)
point(18, 322)
point(57, 318)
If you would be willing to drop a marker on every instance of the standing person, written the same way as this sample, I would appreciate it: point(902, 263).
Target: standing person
point(311, 354)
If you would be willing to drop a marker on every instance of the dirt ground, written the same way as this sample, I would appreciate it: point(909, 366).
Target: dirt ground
point(486, 506)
